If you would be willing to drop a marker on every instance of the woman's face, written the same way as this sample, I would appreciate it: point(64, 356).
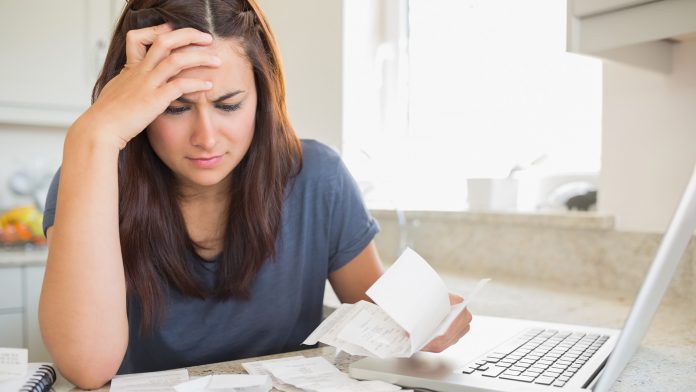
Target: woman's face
point(203, 136)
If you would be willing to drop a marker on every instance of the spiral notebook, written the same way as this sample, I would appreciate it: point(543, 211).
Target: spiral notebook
point(38, 378)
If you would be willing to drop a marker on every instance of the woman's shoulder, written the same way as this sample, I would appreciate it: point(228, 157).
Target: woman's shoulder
point(315, 151)
point(319, 160)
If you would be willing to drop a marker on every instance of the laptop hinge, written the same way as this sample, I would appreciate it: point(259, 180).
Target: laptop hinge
point(594, 377)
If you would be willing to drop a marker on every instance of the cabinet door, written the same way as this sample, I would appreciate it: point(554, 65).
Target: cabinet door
point(11, 330)
point(11, 290)
point(51, 54)
point(33, 279)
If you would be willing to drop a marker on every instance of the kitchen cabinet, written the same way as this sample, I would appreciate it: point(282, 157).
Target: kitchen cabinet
point(641, 33)
point(12, 330)
point(21, 277)
point(33, 279)
point(11, 308)
point(52, 52)
point(11, 289)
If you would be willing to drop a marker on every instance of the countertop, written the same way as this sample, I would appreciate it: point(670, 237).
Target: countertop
point(666, 361)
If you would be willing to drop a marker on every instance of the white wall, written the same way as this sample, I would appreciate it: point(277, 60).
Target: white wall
point(310, 36)
point(648, 141)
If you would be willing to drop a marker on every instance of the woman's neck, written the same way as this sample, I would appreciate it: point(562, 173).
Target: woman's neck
point(205, 213)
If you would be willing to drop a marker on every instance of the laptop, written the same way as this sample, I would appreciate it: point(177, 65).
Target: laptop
point(503, 354)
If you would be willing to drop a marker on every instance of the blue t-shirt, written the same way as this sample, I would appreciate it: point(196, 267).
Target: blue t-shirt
point(325, 225)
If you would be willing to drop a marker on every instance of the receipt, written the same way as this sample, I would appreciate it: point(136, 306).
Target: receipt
point(239, 383)
point(365, 386)
point(13, 362)
point(328, 331)
point(227, 382)
point(375, 331)
point(195, 385)
point(317, 374)
point(258, 367)
point(402, 320)
point(314, 373)
point(149, 382)
point(330, 327)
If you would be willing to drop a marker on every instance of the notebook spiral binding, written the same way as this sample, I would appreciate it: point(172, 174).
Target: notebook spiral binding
point(42, 380)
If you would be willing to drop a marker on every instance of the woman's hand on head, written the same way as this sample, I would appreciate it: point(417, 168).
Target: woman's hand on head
point(460, 326)
point(145, 87)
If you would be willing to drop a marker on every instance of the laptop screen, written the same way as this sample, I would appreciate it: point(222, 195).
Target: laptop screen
point(658, 278)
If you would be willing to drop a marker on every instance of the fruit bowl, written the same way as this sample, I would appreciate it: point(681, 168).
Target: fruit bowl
point(21, 226)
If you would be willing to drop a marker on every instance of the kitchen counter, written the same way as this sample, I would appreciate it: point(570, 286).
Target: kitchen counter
point(558, 220)
point(665, 362)
point(23, 258)
point(579, 249)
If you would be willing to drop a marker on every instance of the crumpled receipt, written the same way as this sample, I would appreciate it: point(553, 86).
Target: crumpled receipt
point(316, 374)
point(411, 308)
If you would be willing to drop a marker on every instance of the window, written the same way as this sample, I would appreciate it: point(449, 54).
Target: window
point(437, 92)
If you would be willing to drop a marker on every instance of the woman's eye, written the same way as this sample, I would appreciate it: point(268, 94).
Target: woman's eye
point(175, 109)
point(229, 108)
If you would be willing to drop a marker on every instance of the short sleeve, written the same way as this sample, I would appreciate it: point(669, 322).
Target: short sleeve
point(351, 225)
point(49, 215)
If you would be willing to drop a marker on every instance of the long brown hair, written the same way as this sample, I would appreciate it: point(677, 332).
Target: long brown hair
point(154, 240)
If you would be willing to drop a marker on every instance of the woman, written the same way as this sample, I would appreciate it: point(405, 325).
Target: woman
point(191, 225)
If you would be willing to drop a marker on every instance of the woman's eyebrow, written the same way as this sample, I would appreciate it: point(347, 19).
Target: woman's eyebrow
point(220, 99)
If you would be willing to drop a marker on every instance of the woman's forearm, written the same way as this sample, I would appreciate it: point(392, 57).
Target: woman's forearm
point(82, 310)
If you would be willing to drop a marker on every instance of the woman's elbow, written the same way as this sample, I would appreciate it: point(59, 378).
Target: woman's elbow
point(87, 366)
point(89, 374)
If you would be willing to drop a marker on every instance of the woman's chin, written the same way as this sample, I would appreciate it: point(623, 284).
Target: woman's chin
point(204, 180)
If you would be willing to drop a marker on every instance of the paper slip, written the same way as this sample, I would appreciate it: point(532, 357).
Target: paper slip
point(404, 318)
point(375, 331)
point(13, 363)
point(317, 374)
point(227, 383)
point(257, 367)
point(240, 383)
point(362, 328)
point(195, 385)
point(308, 373)
point(366, 386)
point(149, 382)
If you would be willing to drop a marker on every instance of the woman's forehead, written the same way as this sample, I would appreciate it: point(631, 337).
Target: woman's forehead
point(235, 64)
point(219, 47)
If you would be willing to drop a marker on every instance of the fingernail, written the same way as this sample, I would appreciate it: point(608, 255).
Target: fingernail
point(216, 60)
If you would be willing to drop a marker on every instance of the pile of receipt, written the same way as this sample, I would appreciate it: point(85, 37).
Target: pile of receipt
point(291, 374)
point(296, 374)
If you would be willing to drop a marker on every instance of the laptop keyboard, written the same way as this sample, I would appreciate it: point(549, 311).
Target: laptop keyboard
point(540, 356)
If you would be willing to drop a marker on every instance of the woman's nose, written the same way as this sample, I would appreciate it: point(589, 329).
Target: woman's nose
point(204, 135)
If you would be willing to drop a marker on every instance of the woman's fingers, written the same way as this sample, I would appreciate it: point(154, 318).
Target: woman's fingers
point(454, 338)
point(455, 299)
point(460, 327)
point(164, 44)
point(436, 345)
point(162, 41)
point(180, 86)
point(137, 41)
point(179, 61)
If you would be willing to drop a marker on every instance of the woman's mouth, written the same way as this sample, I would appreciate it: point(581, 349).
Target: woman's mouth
point(205, 162)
